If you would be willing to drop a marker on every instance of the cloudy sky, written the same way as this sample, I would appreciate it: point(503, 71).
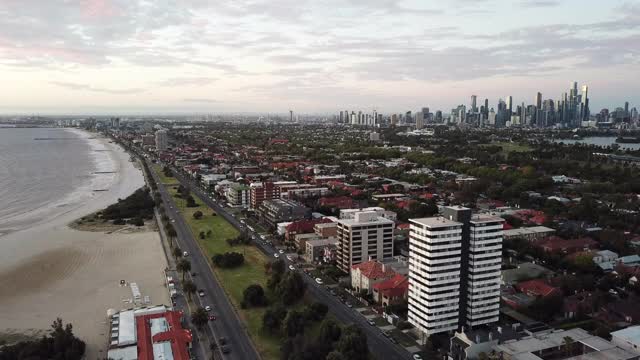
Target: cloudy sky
point(126, 56)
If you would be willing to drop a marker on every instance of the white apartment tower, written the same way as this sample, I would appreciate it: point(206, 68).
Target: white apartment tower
point(363, 236)
point(454, 270)
point(162, 142)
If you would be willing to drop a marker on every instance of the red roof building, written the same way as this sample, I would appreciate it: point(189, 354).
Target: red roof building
point(340, 202)
point(392, 290)
point(537, 288)
point(302, 227)
point(366, 274)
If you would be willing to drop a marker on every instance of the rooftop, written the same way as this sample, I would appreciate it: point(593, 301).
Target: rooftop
point(630, 334)
point(482, 218)
point(435, 222)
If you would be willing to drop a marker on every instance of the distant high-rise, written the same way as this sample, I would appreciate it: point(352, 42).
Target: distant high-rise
point(538, 100)
point(474, 105)
point(162, 141)
point(510, 104)
point(419, 120)
point(626, 107)
point(438, 116)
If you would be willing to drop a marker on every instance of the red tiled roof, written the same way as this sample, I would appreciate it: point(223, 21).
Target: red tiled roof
point(372, 269)
point(403, 226)
point(536, 287)
point(343, 202)
point(180, 338)
point(397, 286)
point(555, 243)
point(305, 226)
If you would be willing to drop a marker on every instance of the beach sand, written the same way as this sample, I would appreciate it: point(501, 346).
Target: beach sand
point(51, 271)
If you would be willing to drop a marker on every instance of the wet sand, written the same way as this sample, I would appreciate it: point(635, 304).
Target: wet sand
point(52, 271)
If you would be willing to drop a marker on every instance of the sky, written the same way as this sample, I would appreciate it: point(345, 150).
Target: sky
point(311, 56)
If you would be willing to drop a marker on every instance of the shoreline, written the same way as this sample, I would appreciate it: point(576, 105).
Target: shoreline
point(50, 270)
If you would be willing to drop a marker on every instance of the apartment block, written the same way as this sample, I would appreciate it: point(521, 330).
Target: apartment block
point(454, 270)
point(365, 236)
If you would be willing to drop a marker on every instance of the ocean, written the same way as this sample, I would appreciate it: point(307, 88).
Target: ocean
point(45, 172)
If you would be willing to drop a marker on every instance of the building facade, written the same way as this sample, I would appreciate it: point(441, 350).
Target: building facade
point(365, 236)
point(454, 270)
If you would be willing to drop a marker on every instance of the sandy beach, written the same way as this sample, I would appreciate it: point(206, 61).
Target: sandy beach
point(50, 270)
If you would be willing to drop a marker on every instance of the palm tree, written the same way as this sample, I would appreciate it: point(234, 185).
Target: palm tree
point(177, 252)
point(189, 288)
point(568, 344)
point(171, 232)
point(184, 266)
point(199, 317)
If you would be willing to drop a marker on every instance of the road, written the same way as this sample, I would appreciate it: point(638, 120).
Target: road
point(380, 346)
point(227, 324)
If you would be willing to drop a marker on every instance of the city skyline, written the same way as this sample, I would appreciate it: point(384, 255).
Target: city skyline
point(104, 57)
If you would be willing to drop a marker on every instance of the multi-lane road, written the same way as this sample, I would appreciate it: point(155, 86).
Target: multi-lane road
point(379, 345)
point(227, 323)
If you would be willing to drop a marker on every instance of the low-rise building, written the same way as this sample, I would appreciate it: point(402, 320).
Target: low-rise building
point(391, 291)
point(238, 195)
point(315, 250)
point(364, 275)
point(532, 233)
point(628, 339)
point(272, 212)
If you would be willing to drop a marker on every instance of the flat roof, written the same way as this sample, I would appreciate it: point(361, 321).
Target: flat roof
point(434, 222)
point(485, 218)
point(630, 334)
point(127, 328)
point(125, 353)
point(529, 230)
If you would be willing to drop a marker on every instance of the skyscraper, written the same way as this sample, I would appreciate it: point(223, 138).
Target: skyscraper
point(454, 270)
point(162, 142)
point(510, 104)
point(538, 100)
point(474, 106)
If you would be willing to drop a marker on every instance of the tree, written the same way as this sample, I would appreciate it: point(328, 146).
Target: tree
point(177, 252)
point(59, 344)
point(316, 311)
point(330, 331)
point(272, 318)
point(335, 355)
point(189, 288)
point(191, 202)
point(291, 288)
point(567, 343)
point(293, 323)
point(353, 343)
point(253, 296)
point(171, 233)
point(197, 215)
point(202, 235)
point(228, 260)
point(199, 317)
point(184, 266)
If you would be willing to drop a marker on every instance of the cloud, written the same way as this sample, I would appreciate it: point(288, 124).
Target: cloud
point(187, 81)
point(85, 87)
point(200, 100)
point(539, 3)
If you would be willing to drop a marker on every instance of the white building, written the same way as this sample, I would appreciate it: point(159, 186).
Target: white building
point(365, 236)
point(454, 270)
point(484, 276)
point(628, 338)
point(435, 250)
point(350, 213)
point(162, 141)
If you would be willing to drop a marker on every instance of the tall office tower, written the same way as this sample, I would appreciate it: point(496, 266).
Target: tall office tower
point(491, 117)
point(584, 104)
point(354, 119)
point(510, 104)
point(539, 100)
point(341, 117)
point(454, 270)
point(626, 107)
point(474, 105)
point(162, 141)
point(366, 235)
point(486, 108)
point(374, 119)
point(425, 112)
point(419, 120)
point(394, 119)
point(438, 116)
point(408, 117)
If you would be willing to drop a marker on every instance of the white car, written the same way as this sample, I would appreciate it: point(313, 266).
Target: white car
point(207, 308)
point(417, 357)
point(185, 254)
point(289, 258)
point(292, 268)
point(319, 281)
point(276, 255)
point(281, 251)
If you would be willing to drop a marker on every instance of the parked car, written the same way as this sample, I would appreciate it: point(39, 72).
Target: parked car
point(225, 349)
point(276, 255)
point(371, 322)
point(292, 268)
point(212, 317)
point(417, 357)
point(185, 254)
point(222, 340)
point(319, 281)
point(207, 308)
point(201, 293)
point(281, 251)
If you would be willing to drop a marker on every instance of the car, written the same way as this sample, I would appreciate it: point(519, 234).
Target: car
point(174, 220)
point(212, 317)
point(386, 333)
point(194, 273)
point(201, 293)
point(393, 340)
point(207, 308)
point(371, 322)
point(276, 255)
point(185, 254)
point(281, 251)
point(417, 357)
point(225, 349)
point(333, 292)
point(349, 305)
point(289, 258)
point(319, 281)
point(292, 268)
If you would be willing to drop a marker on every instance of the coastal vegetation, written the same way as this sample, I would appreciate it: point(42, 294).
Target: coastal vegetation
point(133, 210)
point(61, 344)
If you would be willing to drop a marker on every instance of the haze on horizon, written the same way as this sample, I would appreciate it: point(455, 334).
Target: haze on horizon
point(100, 56)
